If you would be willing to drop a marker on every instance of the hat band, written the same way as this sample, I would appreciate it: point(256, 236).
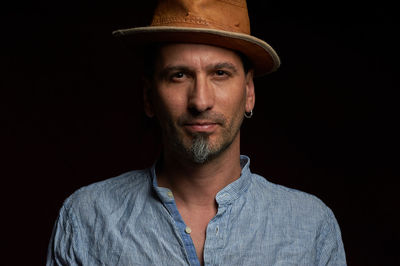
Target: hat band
point(194, 21)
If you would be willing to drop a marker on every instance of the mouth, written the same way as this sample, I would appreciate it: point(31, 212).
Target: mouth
point(201, 126)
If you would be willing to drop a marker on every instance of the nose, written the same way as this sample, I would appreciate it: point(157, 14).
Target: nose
point(201, 96)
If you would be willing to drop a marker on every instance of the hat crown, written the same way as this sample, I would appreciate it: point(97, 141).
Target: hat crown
point(222, 23)
point(227, 15)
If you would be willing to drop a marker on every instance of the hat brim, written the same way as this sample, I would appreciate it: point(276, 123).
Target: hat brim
point(263, 57)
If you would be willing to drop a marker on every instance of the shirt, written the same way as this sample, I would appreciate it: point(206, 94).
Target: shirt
point(130, 220)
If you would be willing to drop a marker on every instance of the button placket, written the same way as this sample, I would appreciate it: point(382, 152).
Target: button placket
point(214, 238)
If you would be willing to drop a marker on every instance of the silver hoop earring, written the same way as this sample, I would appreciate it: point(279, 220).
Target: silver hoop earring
point(248, 115)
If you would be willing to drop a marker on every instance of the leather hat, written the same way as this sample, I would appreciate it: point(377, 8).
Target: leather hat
point(223, 23)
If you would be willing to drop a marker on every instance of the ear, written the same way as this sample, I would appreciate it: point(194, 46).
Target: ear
point(147, 98)
point(250, 92)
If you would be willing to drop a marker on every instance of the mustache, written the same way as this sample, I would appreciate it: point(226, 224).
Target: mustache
point(212, 117)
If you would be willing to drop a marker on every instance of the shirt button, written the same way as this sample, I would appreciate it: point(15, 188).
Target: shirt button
point(216, 230)
point(188, 230)
point(170, 195)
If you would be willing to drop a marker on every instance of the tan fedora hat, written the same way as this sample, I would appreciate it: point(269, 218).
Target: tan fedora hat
point(223, 23)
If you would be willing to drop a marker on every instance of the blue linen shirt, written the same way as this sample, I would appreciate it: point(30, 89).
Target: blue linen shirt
point(130, 220)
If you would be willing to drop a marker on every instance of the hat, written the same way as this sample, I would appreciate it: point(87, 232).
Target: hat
point(223, 23)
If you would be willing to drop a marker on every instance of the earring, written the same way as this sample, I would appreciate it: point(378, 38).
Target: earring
point(248, 115)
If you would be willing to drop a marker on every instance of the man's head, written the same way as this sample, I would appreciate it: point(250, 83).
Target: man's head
point(199, 88)
point(199, 95)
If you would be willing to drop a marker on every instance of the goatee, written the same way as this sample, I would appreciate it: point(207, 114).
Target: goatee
point(200, 149)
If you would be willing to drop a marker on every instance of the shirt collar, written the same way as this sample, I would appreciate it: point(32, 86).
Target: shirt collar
point(224, 197)
point(235, 189)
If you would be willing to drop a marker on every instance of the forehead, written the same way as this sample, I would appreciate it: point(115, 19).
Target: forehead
point(196, 55)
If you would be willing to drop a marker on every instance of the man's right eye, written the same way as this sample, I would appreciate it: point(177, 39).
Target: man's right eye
point(178, 76)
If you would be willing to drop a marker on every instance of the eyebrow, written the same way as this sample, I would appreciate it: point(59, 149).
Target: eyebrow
point(183, 68)
point(227, 65)
point(168, 69)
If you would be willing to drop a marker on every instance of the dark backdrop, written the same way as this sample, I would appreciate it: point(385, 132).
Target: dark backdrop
point(324, 123)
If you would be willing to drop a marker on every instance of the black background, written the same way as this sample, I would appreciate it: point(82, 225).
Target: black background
point(324, 123)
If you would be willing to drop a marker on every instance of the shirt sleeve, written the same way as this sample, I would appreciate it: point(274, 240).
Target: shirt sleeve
point(64, 243)
point(330, 245)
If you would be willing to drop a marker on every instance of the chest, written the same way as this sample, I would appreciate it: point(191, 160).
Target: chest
point(196, 226)
point(230, 237)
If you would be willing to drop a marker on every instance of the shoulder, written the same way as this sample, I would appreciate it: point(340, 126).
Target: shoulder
point(93, 210)
point(298, 217)
point(298, 212)
point(289, 202)
point(105, 196)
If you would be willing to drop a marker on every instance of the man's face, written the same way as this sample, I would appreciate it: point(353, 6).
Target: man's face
point(199, 95)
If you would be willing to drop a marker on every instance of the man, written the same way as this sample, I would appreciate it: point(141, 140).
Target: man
point(199, 204)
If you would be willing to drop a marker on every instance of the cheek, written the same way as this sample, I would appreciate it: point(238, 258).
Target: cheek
point(169, 104)
point(232, 101)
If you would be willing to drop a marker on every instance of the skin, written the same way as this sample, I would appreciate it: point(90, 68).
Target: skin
point(199, 90)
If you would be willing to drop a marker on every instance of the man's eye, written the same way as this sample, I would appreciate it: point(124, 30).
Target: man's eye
point(178, 75)
point(220, 73)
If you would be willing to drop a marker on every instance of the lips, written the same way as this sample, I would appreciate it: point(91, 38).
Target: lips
point(201, 126)
point(207, 122)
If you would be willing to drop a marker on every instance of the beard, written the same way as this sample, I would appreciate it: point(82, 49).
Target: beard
point(200, 149)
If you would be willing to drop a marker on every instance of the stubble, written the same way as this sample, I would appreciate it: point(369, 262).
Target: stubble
point(200, 149)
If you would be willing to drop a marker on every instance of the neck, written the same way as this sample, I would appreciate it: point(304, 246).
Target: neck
point(196, 185)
